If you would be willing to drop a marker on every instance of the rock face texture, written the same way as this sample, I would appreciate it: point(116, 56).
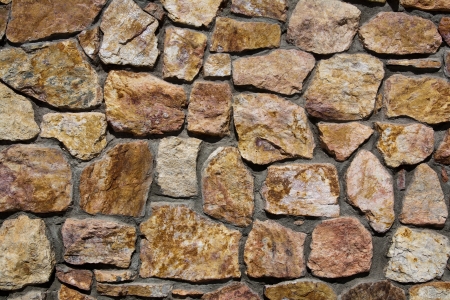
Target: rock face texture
point(300, 289)
point(426, 64)
point(134, 289)
point(195, 13)
point(4, 14)
point(81, 279)
point(234, 291)
point(442, 154)
point(381, 290)
point(90, 41)
point(66, 293)
point(430, 291)
point(433, 5)
point(217, 65)
point(274, 9)
point(444, 29)
point(32, 295)
point(114, 276)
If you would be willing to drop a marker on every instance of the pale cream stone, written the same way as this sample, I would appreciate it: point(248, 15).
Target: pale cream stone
point(217, 65)
point(196, 13)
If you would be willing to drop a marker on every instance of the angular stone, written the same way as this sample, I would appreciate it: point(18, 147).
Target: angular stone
point(323, 26)
point(128, 35)
point(196, 13)
point(4, 14)
point(444, 29)
point(81, 279)
point(417, 255)
point(442, 154)
point(350, 92)
point(217, 65)
point(370, 188)
point(134, 289)
point(34, 178)
point(271, 128)
point(429, 5)
point(274, 9)
point(302, 190)
point(424, 63)
point(430, 291)
point(180, 244)
point(90, 41)
point(119, 183)
point(31, 295)
point(282, 71)
point(26, 254)
point(56, 73)
point(187, 293)
point(156, 11)
point(381, 290)
point(90, 241)
point(142, 104)
point(234, 36)
point(302, 289)
point(83, 134)
point(233, 291)
point(114, 275)
point(66, 293)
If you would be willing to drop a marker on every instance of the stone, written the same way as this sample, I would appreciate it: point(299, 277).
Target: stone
point(274, 9)
point(83, 134)
point(233, 291)
point(417, 255)
point(340, 140)
point(281, 71)
point(444, 175)
point(302, 289)
point(430, 291)
point(430, 5)
point(401, 180)
point(66, 293)
point(370, 188)
point(26, 254)
point(183, 53)
point(217, 65)
point(447, 63)
point(90, 41)
point(340, 247)
point(4, 15)
point(271, 128)
point(420, 64)
point(128, 35)
point(180, 244)
point(350, 92)
point(142, 104)
point(224, 197)
point(34, 178)
point(176, 166)
point(272, 250)
point(31, 295)
point(187, 293)
point(299, 222)
point(381, 290)
point(230, 35)
point(119, 183)
point(56, 73)
point(81, 279)
point(156, 11)
point(209, 110)
point(114, 276)
point(444, 29)
point(134, 289)
point(402, 144)
point(323, 26)
point(5, 1)
point(91, 241)
point(302, 190)
point(400, 33)
point(442, 154)
point(33, 20)
point(424, 202)
point(195, 13)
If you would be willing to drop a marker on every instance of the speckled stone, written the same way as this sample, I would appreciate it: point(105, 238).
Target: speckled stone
point(430, 291)
point(195, 13)
point(233, 291)
point(274, 9)
point(114, 276)
point(90, 41)
point(147, 290)
point(381, 290)
point(217, 65)
point(66, 293)
point(442, 154)
point(81, 279)
point(302, 289)
point(428, 5)
point(420, 64)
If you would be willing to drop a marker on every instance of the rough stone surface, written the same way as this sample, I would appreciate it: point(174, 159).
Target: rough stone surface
point(442, 154)
point(271, 128)
point(430, 291)
point(31, 295)
point(303, 289)
point(196, 13)
point(180, 244)
point(424, 63)
point(114, 276)
point(447, 63)
point(66, 293)
point(444, 29)
point(381, 290)
point(217, 65)
point(187, 293)
point(233, 291)
point(401, 180)
point(4, 14)
point(81, 279)
point(134, 289)
point(274, 9)
point(156, 10)
point(90, 41)
point(433, 5)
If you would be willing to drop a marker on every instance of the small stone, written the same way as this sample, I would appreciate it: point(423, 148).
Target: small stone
point(90, 41)
point(340, 247)
point(233, 291)
point(285, 134)
point(81, 279)
point(444, 29)
point(26, 254)
point(196, 13)
point(234, 36)
point(217, 65)
point(323, 26)
point(302, 289)
point(114, 276)
point(299, 222)
point(180, 244)
point(134, 289)
point(142, 104)
point(31, 295)
point(442, 154)
point(187, 293)
point(429, 5)
point(424, 63)
point(66, 293)
point(444, 175)
point(4, 14)
point(401, 180)
point(282, 71)
point(274, 9)
point(90, 241)
point(156, 11)
point(447, 63)
point(417, 255)
point(302, 190)
point(83, 134)
point(430, 291)
point(381, 290)
point(350, 93)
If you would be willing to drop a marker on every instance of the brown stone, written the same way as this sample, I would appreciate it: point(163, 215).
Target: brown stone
point(274, 9)
point(302, 289)
point(114, 275)
point(430, 291)
point(156, 11)
point(196, 13)
point(271, 128)
point(180, 244)
point(444, 175)
point(302, 190)
point(233, 291)
point(66, 293)
point(447, 63)
point(142, 104)
point(433, 5)
point(442, 154)
point(31, 295)
point(282, 71)
point(81, 279)
point(134, 289)
point(90, 41)
point(119, 183)
point(4, 15)
point(217, 65)
point(187, 293)
point(424, 63)
point(444, 29)
point(98, 241)
point(340, 247)
point(381, 290)
point(401, 180)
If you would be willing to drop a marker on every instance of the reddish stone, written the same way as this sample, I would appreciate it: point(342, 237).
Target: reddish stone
point(234, 291)
point(401, 179)
point(81, 279)
point(444, 29)
point(382, 290)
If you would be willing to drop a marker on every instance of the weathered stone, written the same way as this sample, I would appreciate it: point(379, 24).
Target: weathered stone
point(302, 190)
point(180, 244)
point(234, 36)
point(196, 13)
point(444, 175)
point(142, 104)
point(187, 293)
point(417, 255)
point(302, 289)
point(323, 26)
point(424, 63)
point(5, 1)
point(134, 289)
point(401, 180)
point(176, 166)
point(119, 183)
point(340, 247)
point(433, 5)
point(66, 293)
point(447, 63)
point(83, 134)
point(282, 71)
point(128, 35)
point(209, 110)
point(224, 197)
point(404, 143)
point(444, 29)
point(114, 275)
point(4, 14)
point(272, 250)
point(430, 291)
point(340, 140)
point(156, 11)
point(271, 128)
point(217, 65)
point(442, 154)
point(26, 254)
point(274, 9)
point(233, 291)
point(344, 87)
point(400, 33)
point(381, 290)
point(81, 279)
point(31, 295)
point(56, 73)
point(299, 222)
point(90, 41)
point(98, 241)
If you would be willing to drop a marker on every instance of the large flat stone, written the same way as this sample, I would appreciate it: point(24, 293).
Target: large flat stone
point(233, 291)
point(381, 290)
point(302, 289)
point(195, 13)
point(430, 291)
point(429, 5)
point(147, 290)
point(274, 9)
point(442, 154)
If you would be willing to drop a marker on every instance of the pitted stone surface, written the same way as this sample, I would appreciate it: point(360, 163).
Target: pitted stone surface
point(114, 276)
point(442, 154)
point(381, 290)
point(302, 289)
point(81, 279)
point(217, 65)
point(195, 13)
point(433, 5)
point(90, 41)
point(66, 293)
point(233, 291)
point(147, 290)
point(430, 291)
point(274, 9)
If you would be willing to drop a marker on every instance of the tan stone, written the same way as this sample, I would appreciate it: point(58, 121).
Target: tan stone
point(344, 87)
point(234, 36)
point(31, 295)
point(274, 9)
point(444, 29)
point(442, 154)
point(5, 1)
point(217, 65)
point(83, 134)
point(447, 63)
point(381, 290)
point(134, 289)
point(119, 183)
point(196, 13)
point(302, 289)
point(156, 11)
point(424, 63)
point(271, 128)
point(66, 293)
point(430, 291)
point(433, 5)
point(142, 104)
point(233, 291)
point(282, 71)
point(114, 275)
point(4, 15)
point(302, 190)
point(90, 41)
point(81, 279)
point(187, 293)
point(180, 244)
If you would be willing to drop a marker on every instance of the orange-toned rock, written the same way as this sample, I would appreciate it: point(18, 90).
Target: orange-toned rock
point(442, 154)
point(233, 291)
point(187, 293)
point(146, 290)
point(81, 279)
point(444, 29)
point(274, 9)
point(196, 13)
point(302, 289)
point(217, 65)
point(430, 291)
point(421, 64)
point(90, 41)
point(381, 290)
point(155, 10)
point(114, 276)
point(66, 293)
point(433, 5)
point(4, 14)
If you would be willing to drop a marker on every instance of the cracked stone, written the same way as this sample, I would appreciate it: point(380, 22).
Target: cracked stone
point(81, 279)
point(90, 41)
point(421, 64)
point(196, 13)
point(442, 154)
point(274, 9)
point(114, 276)
point(134, 289)
point(4, 14)
point(217, 65)
point(66, 293)
point(381, 290)
point(429, 5)
point(430, 291)
point(302, 289)
point(233, 291)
